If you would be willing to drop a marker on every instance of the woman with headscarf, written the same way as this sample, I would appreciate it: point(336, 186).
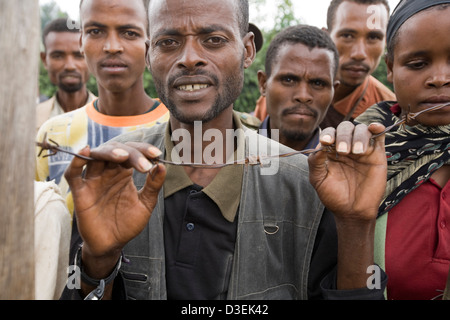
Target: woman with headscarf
point(413, 227)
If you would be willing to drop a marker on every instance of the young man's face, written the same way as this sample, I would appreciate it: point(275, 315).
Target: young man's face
point(64, 62)
point(359, 33)
point(113, 41)
point(299, 90)
point(420, 71)
point(197, 56)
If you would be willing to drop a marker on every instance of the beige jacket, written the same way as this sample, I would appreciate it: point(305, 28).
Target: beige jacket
point(52, 223)
point(51, 107)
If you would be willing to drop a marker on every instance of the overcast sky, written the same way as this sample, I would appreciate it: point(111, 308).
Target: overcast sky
point(311, 12)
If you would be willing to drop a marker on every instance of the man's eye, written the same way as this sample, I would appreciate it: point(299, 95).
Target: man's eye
point(166, 43)
point(318, 83)
point(347, 36)
point(93, 32)
point(131, 34)
point(375, 38)
point(216, 40)
point(287, 80)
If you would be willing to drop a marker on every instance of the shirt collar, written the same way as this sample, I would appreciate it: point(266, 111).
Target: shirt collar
point(312, 143)
point(224, 190)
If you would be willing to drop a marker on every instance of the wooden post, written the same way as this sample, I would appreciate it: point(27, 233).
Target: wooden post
point(19, 47)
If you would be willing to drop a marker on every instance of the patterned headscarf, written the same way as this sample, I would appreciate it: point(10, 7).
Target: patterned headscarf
point(413, 153)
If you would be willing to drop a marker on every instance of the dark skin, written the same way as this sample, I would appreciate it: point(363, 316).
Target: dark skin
point(66, 68)
point(298, 92)
point(111, 212)
point(114, 35)
point(425, 65)
point(359, 44)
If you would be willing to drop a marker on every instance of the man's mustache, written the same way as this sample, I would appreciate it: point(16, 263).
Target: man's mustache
point(353, 65)
point(300, 109)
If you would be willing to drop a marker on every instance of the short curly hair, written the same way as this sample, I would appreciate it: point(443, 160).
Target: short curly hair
point(57, 25)
point(310, 36)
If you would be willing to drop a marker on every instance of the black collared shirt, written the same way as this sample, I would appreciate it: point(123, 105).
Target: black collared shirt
point(199, 245)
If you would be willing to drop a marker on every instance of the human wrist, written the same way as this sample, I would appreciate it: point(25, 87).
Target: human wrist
point(355, 251)
point(98, 267)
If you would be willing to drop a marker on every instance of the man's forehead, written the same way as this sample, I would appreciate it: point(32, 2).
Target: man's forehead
point(291, 54)
point(362, 15)
point(62, 37)
point(93, 8)
point(160, 11)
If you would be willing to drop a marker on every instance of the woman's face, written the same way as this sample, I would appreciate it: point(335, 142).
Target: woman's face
point(420, 70)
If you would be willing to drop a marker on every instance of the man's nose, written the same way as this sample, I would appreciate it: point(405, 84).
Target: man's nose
point(302, 93)
point(191, 56)
point(70, 63)
point(359, 50)
point(113, 44)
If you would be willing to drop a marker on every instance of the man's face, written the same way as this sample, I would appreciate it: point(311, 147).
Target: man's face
point(359, 33)
point(299, 90)
point(197, 57)
point(64, 62)
point(113, 41)
point(421, 68)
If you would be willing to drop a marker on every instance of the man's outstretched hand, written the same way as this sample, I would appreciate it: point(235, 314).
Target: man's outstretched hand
point(110, 210)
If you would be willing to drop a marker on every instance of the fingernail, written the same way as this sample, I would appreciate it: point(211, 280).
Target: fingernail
point(120, 153)
point(358, 148)
point(342, 147)
point(327, 138)
point(155, 152)
point(144, 164)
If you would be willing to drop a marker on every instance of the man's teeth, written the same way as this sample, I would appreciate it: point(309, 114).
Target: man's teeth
point(192, 87)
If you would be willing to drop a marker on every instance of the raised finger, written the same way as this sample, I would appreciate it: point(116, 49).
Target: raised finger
point(376, 129)
point(328, 136)
point(344, 137)
point(361, 139)
point(128, 155)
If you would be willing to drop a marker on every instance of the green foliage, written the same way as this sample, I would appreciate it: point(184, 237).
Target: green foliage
point(49, 12)
point(381, 74)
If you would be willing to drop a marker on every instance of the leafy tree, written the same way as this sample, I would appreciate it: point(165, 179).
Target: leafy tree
point(381, 74)
point(49, 12)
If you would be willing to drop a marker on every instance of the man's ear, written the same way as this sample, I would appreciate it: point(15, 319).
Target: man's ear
point(147, 53)
point(336, 84)
point(262, 82)
point(390, 72)
point(80, 42)
point(44, 58)
point(250, 49)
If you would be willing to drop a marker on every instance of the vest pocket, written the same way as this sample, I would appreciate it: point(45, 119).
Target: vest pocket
point(142, 278)
point(134, 276)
